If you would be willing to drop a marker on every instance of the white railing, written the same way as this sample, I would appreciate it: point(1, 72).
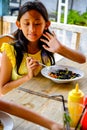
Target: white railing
point(60, 6)
point(8, 25)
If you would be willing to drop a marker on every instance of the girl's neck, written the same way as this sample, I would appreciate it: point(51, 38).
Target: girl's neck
point(33, 48)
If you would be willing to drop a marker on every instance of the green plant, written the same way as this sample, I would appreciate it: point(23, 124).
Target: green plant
point(74, 17)
point(84, 18)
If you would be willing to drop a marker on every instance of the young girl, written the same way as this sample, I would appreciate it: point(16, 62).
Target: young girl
point(33, 44)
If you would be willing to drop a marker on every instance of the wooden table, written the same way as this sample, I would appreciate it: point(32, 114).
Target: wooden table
point(26, 95)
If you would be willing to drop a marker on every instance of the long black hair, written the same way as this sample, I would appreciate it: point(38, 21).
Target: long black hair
point(21, 43)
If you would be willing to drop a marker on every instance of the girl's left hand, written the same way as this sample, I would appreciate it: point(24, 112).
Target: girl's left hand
point(53, 45)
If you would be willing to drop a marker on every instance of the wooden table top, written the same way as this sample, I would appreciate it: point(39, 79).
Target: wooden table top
point(35, 93)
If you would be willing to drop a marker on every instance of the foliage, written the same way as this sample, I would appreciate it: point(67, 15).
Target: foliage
point(74, 17)
point(84, 17)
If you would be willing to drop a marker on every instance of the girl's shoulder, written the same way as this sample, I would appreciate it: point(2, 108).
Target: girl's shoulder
point(7, 47)
point(10, 51)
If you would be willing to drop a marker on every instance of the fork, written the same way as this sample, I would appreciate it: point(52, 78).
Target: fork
point(47, 67)
point(42, 64)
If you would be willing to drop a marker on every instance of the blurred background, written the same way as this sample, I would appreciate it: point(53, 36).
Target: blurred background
point(72, 12)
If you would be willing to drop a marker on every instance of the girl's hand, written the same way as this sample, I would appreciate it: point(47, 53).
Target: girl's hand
point(31, 66)
point(53, 45)
point(57, 127)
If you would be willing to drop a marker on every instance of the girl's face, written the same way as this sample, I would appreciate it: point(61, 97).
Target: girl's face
point(32, 25)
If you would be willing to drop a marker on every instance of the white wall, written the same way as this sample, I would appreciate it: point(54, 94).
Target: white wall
point(79, 5)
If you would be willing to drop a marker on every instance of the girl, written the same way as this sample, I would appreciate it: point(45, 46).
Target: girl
point(33, 44)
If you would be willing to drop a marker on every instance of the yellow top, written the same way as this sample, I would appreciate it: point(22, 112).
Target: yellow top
point(76, 95)
point(11, 53)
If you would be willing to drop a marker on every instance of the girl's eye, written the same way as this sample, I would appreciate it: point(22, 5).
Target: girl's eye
point(37, 23)
point(26, 23)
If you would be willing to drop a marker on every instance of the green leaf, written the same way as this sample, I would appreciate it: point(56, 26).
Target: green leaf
point(66, 118)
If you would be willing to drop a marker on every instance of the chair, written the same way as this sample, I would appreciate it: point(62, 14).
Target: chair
point(6, 38)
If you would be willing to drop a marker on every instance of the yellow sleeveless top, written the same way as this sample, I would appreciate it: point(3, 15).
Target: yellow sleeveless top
point(11, 53)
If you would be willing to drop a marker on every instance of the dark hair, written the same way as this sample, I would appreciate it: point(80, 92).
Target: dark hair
point(36, 5)
point(21, 41)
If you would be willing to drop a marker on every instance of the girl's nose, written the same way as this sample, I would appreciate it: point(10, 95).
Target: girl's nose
point(32, 28)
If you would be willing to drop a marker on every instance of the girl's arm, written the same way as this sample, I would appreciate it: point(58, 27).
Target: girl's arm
point(6, 72)
point(53, 45)
point(29, 115)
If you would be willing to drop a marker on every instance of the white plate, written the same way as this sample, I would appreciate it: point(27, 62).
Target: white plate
point(6, 120)
point(45, 71)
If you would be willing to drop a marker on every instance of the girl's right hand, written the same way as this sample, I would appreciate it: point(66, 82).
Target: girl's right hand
point(31, 66)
